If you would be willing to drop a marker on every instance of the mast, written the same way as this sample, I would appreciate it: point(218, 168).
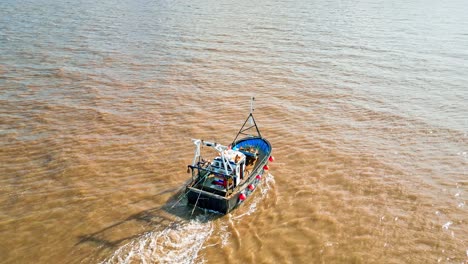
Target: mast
point(197, 143)
point(252, 125)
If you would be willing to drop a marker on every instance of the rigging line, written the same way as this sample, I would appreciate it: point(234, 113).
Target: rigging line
point(185, 194)
point(180, 199)
point(201, 189)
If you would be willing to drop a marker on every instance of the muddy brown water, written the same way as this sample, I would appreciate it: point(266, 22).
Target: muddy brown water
point(364, 103)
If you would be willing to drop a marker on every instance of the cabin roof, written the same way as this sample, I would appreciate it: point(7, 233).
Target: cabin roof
point(231, 155)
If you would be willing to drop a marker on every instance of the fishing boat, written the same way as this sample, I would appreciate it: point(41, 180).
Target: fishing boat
point(226, 181)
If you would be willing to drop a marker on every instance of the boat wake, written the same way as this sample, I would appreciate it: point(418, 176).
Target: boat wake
point(263, 188)
point(181, 242)
point(178, 243)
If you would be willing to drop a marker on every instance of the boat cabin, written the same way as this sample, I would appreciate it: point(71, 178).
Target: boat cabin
point(226, 171)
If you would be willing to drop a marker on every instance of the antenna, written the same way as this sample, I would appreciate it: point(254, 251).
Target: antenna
point(252, 99)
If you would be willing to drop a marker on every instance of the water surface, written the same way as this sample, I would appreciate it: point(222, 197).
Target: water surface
point(363, 102)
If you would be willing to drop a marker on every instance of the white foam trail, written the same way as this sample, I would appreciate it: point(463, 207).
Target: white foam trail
point(224, 235)
point(264, 188)
point(447, 225)
point(179, 243)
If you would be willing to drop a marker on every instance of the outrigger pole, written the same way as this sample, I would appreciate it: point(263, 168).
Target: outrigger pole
point(218, 147)
point(252, 122)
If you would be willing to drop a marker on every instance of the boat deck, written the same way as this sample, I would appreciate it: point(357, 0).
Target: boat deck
point(211, 180)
